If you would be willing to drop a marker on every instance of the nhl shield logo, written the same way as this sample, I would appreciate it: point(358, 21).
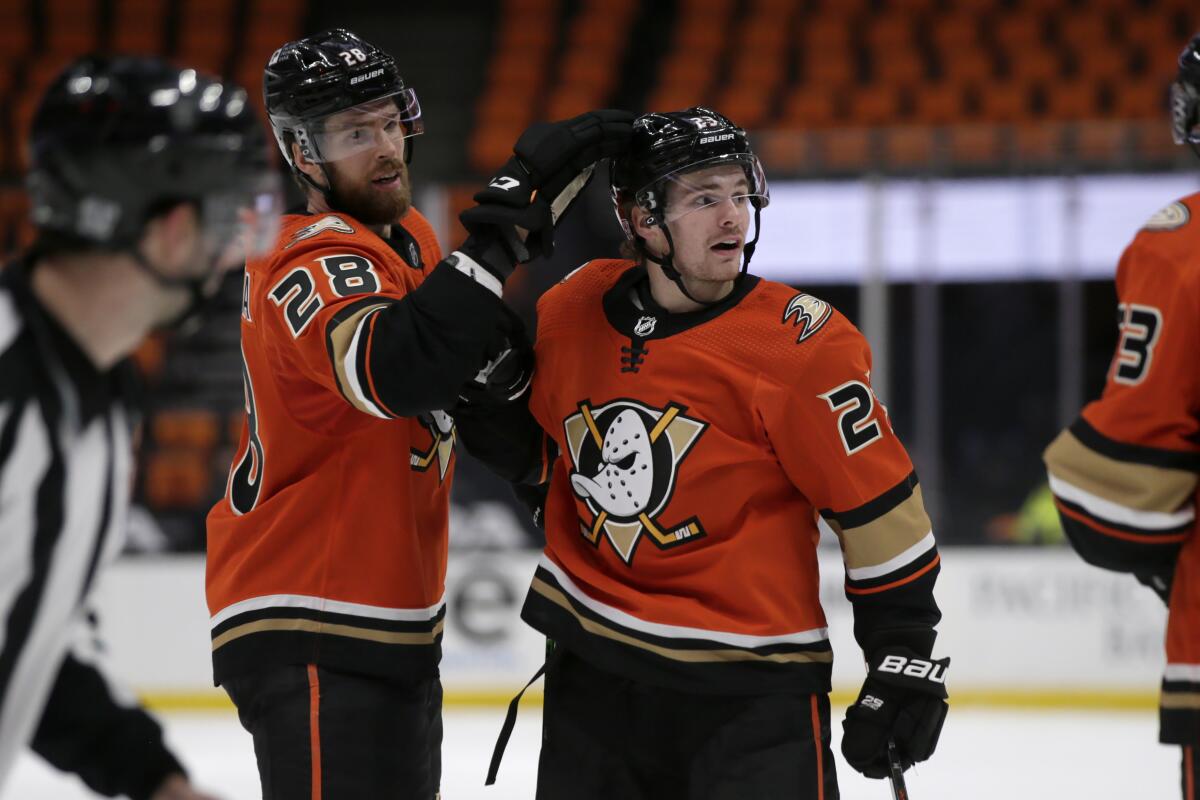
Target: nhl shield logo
point(645, 326)
point(626, 458)
point(810, 315)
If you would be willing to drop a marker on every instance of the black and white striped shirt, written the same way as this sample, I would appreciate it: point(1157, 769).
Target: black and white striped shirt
point(65, 480)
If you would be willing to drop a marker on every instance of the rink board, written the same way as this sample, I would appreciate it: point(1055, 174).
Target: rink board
point(1022, 627)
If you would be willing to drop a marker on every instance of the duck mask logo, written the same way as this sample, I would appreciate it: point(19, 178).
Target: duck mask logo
point(626, 458)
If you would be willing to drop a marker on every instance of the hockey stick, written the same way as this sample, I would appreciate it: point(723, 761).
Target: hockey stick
point(896, 773)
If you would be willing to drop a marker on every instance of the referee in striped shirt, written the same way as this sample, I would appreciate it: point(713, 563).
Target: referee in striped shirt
point(139, 172)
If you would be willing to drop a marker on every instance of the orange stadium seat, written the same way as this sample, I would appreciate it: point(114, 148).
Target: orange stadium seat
point(138, 26)
point(1004, 101)
point(747, 107)
point(835, 68)
point(1112, 64)
point(71, 26)
point(753, 71)
point(899, 67)
point(889, 32)
point(777, 9)
point(1149, 29)
point(911, 7)
point(764, 35)
point(1019, 31)
point(687, 69)
point(1082, 29)
point(16, 32)
point(976, 7)
point(1072, 100)
point(876, 106)
point(826, 34)
point(939, 103)
point(588, 69)
point(150, 356)
point(1034, 65)
point(1161, 63)
point(667, 96)
point(809, 106)
point(954, 32)
point(1139, 99)
point(968, 66)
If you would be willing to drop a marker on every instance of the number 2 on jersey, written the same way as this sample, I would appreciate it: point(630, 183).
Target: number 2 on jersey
point(856, 402)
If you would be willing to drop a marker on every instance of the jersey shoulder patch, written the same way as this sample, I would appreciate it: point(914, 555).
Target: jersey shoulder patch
point(1170, 218)
point(804, 315)
point(329, 222)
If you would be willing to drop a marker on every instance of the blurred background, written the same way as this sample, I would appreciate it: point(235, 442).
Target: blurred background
point(959, 177)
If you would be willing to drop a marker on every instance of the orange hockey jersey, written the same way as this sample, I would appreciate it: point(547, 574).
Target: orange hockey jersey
point(330, 544)
point(1124, 475)
point(701, 453)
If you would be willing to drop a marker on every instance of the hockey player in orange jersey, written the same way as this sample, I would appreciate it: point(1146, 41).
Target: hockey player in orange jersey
point(327, 555)
point(1124, 475)
point(710, 424)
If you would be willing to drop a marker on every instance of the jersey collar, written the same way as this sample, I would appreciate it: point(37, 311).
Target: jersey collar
point(645, 319)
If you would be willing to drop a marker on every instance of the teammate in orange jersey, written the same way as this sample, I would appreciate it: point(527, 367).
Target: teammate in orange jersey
point(1124, 475)
point(709, 424)
point(327, 555)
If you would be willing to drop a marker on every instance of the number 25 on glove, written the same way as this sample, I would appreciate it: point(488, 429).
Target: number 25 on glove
point(903, 699)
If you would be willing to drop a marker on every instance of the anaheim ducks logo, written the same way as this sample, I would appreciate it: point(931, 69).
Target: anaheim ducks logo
point(810, 313)
point(326, 223)
point(441, 427)
point(1173, 216)
point(626, 457)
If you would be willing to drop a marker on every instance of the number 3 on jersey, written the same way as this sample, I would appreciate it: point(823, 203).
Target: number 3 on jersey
point(1139, 328)
point(856, 403)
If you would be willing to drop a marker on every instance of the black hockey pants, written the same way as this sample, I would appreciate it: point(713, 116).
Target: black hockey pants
point(326, 735)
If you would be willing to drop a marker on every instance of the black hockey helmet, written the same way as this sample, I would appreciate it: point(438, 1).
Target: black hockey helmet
point(315, 77)
point(666, 146)
point(678, 142)
point(116, 140)
point(1185, 97)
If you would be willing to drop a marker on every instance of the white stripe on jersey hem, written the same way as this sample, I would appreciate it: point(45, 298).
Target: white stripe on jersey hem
point(1115, 512)
point(1182, 672)
point(325, 604)
point(892, 564)
point(350, 367)
point(471, 268)
point(677, 631)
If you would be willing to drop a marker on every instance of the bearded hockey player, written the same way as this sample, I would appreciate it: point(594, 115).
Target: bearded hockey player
point(1124, 474)
point(709, 424)
point(327, 555)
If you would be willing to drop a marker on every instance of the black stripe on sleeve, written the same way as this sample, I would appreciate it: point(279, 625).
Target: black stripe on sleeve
point(1133, 453)
point(874, 509)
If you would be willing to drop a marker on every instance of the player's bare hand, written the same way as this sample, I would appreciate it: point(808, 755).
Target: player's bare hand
point(176, 787)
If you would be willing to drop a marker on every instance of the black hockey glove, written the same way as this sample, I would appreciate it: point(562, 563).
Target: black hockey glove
point(507, 371)
point(903, 699)
point(514, 216)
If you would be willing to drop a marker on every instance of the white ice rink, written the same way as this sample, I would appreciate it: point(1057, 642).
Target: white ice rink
point(983, 755)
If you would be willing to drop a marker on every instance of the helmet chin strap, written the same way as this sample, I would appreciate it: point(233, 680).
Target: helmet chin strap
point(667, 262)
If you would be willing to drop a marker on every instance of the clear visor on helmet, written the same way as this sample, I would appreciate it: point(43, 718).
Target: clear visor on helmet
point(242, 223)
point(383, 122)
point(1185, 113)
point(718, 186)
